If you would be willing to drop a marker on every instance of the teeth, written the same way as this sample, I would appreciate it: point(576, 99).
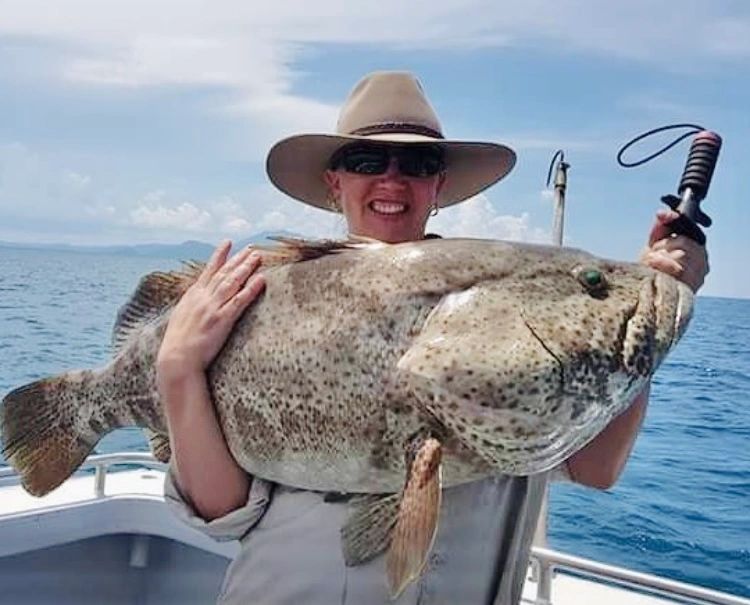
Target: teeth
point(388, 207)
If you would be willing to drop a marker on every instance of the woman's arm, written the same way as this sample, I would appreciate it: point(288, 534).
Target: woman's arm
point(207, 474)
point(198, 326)
point(600, 463)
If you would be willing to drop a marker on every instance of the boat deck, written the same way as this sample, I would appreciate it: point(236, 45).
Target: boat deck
point(143, 554)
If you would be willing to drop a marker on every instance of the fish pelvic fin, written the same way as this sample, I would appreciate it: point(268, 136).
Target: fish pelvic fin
point(158, 443)
point(405, 524)
point(41, 430)
point(417, 522)
point(367, 532)
point(156, 292)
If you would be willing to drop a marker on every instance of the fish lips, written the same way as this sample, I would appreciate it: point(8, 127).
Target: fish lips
point(672, 302)
point(672, 293)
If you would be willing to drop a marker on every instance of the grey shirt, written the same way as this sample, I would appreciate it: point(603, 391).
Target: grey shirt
point(290, 550)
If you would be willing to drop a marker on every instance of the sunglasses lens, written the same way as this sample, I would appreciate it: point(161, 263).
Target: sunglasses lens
point(413, 162)
point(420, 162)
point(365, 161)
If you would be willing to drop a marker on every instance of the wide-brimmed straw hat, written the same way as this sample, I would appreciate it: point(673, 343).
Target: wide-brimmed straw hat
point(390, 108)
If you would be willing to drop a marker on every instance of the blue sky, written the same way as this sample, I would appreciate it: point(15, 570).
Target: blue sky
point(146, 121)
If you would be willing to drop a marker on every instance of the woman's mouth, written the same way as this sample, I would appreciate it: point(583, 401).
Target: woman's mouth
point(388, 208)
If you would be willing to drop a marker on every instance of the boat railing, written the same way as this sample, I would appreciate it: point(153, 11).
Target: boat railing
point(101, 463)
point(545, 562)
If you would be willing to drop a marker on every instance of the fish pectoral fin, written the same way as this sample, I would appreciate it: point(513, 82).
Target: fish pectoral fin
point(158, 443)
point(417, 522)
point(367, 532)
point(405, 523)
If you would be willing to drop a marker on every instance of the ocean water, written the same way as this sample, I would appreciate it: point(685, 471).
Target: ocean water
point(681, 508)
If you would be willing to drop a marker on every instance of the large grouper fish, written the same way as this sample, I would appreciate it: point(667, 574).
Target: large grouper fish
point(385, 371)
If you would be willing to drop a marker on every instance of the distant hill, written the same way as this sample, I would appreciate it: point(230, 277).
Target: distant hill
point(190, 249)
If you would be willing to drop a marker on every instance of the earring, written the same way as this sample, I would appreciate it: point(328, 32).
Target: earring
point(434, 209)
point(333, 202)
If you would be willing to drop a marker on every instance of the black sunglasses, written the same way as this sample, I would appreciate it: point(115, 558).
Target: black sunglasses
point(420, 161)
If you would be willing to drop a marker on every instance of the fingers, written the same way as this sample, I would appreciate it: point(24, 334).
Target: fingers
point(246, 295)
point(676, 255)
point(678, 242)
point(203, 318)
point(217, 260)
point(663, 261)
point(661, 229)
point(688, 265)
point(228, 281)
point(223, 275)
point(236, 261)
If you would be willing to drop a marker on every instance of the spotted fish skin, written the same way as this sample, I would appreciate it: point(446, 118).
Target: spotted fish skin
point(497, 348)
point(512, 355)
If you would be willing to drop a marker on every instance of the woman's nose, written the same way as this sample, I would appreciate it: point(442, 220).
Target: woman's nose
point(393, 171)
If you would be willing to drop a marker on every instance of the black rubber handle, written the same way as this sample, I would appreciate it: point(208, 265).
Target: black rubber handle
point(699, 168)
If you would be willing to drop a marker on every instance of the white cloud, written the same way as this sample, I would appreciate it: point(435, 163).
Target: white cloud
point(35, 188)
point(250, 48)
point(236, 225)
point(32, 186)
point(100, 211)
point(549, 143)
point(655, 103)
point(273, 211)
point(261, 209)
point(75, 180)
point(729, 37)
point(184, 217)
point(478, 217)
point(251, 51)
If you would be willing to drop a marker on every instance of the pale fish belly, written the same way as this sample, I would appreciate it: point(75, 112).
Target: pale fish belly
point(358, 473)
point(346, 474)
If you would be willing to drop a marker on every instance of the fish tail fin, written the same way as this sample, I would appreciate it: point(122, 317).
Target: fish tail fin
point(45, 433)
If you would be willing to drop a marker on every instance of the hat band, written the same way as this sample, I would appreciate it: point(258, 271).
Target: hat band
point(399, 128)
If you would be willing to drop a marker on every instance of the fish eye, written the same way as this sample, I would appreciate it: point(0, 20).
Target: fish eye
point(592, 279)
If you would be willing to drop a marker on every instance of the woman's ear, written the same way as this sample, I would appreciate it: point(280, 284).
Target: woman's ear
point(441, 182)
point(333, 180)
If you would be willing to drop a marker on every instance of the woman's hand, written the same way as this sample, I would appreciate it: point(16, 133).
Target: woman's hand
point(676, 255)
point(207, 473)
point(201, 321)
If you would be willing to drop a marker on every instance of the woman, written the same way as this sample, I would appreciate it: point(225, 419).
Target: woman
point(387, 170)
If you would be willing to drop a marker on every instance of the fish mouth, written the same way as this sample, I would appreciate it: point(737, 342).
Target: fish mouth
point(674, 307)
point(684, 311)
point(654, 324)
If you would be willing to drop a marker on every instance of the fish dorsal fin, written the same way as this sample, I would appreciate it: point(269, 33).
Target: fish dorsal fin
point(294, 250)
point(156, 292)
point(160, 290)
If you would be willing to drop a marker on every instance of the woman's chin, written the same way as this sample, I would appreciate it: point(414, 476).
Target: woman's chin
point(392, 228)
point(395, 232)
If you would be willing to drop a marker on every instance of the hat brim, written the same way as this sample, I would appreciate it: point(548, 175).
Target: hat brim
point(296, 165)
